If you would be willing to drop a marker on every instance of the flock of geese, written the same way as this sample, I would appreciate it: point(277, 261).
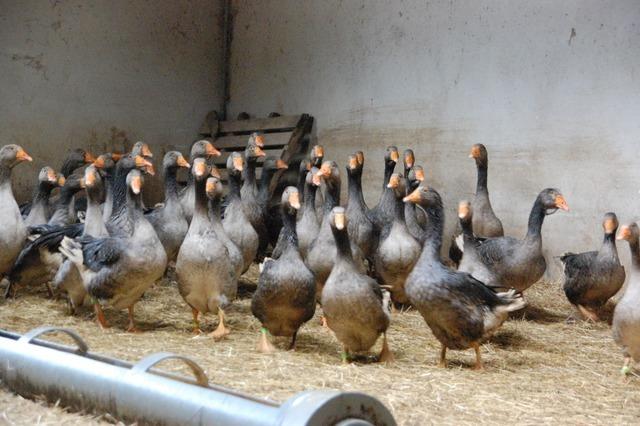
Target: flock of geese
point(357, 263)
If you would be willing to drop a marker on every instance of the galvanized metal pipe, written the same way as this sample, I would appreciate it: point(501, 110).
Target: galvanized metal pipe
point(85, 381)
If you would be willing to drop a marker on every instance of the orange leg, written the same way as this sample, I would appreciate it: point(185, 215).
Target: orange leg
point(102, 321)
point(221, 331)
point(443, 357)
point(196, 321)
point(131, 328)
point(264, 345)
point(385, 354)
point(588, 314)
point(478, 365)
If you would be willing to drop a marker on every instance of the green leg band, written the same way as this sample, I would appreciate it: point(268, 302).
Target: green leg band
point(263, 330)
point(626, 370)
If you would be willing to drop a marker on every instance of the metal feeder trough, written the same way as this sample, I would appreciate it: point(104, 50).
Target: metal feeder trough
point(89, 382)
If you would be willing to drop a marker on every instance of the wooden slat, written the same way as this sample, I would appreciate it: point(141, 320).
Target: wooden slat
point(237, 143)
point(221, 162)
point(285, 122)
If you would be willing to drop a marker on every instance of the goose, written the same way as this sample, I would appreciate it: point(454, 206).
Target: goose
point(507, 262)
point(168, 219)
point(249, 190)
point(68, 278)
point(203, 268)
point(626, 316)
point(460, 310)
point(361, 229)
point(485, 222)
point(117, 270)
point(415, 218)
point(13, 231)
point(592, 278)
point(286, 295)
point(40, 210)
point(308, 224)
point(353, 303)
point(200, 149)
point(322, 253)
point(272, 169)
point(235, 221)
point(397, 250)
point(383, 212)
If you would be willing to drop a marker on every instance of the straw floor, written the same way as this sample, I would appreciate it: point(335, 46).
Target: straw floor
point(539, 368)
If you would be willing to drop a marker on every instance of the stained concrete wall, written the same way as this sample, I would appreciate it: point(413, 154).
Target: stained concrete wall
point(103, 74)
point(552, 88)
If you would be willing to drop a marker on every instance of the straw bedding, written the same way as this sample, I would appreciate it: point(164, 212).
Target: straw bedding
point(542, 367)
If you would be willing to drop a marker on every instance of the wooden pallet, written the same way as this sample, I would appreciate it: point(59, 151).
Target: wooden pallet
point(284, 136)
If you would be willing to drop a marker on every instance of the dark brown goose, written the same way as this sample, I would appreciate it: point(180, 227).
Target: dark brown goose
point(460, 310)
point(286, 295)
point(592, 278)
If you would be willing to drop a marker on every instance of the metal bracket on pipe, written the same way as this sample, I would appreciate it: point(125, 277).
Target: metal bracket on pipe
point(28, 337)
point(147, 362)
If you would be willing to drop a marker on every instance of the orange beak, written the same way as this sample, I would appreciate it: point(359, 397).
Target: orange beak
point(414, 197)
point(136, 184)
point(182, 162)
point(22, 155)
point(625, 233)
point(353, 162)
point(393, 181)
point(146, 165)
point(318, 151)
point(294, 200)
point(200, 168)
point(51, 176)
point(561, 203)
point(238, 163)
point(259, 151)
point(259, 140)
point(211, 151)
point(89, 158)
point(360, 157)
point(211, 185)
point(89, 179)
point(394, 156)
point(146, 151)
point(475, 152)
point(464, 209)
point(215, 172)
point(339, 219)
point(409, 160)
point(99, 163)
point(61, 181)
point(281, 165)
point(419, 175)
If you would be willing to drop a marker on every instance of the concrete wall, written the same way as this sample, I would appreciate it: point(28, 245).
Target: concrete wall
point(102, 74)
point(552, 88)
